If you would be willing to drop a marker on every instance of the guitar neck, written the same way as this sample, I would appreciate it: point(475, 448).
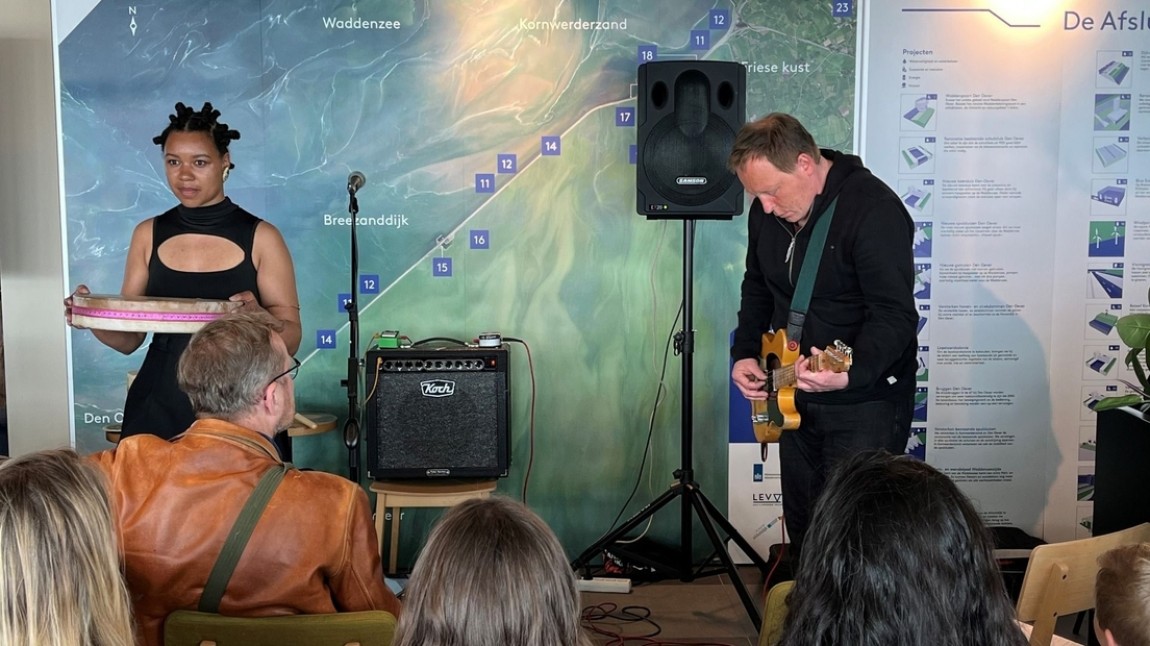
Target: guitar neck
point(784, 377)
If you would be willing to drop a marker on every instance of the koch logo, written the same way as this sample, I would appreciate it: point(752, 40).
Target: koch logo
point(758, 474)
point(437, 388)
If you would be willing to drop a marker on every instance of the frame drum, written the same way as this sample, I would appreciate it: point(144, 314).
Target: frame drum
point(147, 313)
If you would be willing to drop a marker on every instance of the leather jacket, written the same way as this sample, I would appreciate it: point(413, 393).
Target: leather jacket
point(313, 551)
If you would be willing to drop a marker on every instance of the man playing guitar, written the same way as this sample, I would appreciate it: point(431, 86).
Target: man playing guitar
point(862, 295)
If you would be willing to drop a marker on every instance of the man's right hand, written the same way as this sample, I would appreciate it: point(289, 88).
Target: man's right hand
point(749, 378)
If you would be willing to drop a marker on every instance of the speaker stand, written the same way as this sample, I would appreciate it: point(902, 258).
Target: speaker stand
point(685, 488)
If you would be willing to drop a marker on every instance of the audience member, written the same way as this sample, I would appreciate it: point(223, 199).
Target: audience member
point(60, 580)
point(492, 572)
point(314, 549)
point(897, 555)
point(1122, 596)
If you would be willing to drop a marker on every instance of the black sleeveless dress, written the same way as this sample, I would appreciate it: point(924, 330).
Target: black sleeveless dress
point(155, 403)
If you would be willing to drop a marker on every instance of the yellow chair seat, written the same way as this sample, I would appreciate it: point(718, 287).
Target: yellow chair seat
point(775, 613)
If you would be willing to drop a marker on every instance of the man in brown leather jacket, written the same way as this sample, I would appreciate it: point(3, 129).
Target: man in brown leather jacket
point(314, 549)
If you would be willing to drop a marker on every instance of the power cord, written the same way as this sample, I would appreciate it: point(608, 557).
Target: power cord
point(607, 619)
point(531, 431)
point(438, 338)
point(651, 423)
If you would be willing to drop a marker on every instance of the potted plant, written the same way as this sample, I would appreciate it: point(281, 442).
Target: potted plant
point(1134, 330)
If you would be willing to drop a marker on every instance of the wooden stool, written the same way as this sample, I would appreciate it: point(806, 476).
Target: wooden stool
point(397, 494)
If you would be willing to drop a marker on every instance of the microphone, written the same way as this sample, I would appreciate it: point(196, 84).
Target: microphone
point(355, 181)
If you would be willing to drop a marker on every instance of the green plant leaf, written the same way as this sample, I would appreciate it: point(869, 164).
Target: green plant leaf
point(1134, 329)
point(1109, 403)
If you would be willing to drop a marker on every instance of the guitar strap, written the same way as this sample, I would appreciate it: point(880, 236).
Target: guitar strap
point(806, 284)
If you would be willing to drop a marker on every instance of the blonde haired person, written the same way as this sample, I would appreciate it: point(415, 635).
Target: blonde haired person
point(60, 580)
point(492, 572)
point(1122, 596)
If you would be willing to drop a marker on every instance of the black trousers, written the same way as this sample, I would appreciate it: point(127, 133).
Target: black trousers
point(828, 433)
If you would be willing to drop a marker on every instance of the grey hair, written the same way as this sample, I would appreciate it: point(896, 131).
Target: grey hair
point(229, 362)
point(492, 572)
point(778, 138)
point(60, 577)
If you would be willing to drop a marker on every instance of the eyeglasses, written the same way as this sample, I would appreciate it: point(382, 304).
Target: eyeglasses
point(290, 372)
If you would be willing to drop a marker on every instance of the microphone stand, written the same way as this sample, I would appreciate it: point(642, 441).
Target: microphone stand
point(351, 426)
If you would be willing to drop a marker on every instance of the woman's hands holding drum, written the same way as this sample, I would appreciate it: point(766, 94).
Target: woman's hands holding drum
point(247, 301)
point(82, 290)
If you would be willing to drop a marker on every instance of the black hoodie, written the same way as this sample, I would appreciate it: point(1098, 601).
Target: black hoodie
point(864, 292)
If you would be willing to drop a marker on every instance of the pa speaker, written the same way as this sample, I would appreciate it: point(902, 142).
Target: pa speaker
point(688, 115)
point(437, 413)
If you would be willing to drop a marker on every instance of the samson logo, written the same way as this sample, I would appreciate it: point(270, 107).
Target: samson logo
point(690, 181)
point(437, 473)
point(437, 388)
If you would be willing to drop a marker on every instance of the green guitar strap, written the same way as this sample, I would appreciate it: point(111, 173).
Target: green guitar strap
point(238, 537)
point(806, 284)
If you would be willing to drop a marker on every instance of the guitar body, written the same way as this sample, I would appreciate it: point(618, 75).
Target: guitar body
point(777, 413)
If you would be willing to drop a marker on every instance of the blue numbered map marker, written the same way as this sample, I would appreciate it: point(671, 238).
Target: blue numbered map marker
point(720, 19)
point(633, 154)
point(624, 117)
point(325, 339)
point(369, 283)
point(343, 300)
point(842, 9)
point(484, 182)
point(479, 239)
point(700, 39)
point(550, 145)
point(441, 267)
point(507, 163)
point(648, 53)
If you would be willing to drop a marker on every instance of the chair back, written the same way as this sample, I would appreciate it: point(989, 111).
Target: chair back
point(775, 613)
point(367, 628)
point(1060, 577)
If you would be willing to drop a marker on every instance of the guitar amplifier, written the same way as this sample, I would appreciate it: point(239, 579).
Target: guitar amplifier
point(437, 413)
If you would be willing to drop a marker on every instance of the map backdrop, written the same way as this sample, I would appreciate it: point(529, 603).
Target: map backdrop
point(500, 196)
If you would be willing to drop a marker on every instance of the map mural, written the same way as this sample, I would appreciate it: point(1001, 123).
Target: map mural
point(500, 196)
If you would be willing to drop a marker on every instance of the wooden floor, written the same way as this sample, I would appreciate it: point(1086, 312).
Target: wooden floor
point(705, 611)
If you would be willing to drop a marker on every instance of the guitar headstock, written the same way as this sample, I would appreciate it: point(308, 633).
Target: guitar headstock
point(836, 358)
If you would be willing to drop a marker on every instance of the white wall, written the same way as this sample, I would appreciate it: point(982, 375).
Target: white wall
point(31, 256)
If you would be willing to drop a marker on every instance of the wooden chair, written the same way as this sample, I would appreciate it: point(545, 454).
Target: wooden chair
point(775, 613)
point(368, 628)
point(1060, 577)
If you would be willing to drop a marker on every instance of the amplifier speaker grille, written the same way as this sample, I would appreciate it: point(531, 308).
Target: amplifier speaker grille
point(438, 413)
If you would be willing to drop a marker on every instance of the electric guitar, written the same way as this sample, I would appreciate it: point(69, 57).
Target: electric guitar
point(777, 413)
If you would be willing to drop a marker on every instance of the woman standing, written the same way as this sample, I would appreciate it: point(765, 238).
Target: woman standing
point(205, 247)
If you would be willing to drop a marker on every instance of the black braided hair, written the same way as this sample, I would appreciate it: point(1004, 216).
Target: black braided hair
point(205, 120)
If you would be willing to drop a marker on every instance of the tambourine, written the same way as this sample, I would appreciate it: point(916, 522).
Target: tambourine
point(146, 313)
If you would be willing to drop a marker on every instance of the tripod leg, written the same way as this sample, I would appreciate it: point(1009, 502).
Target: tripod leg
point(733, 533)
point(633, 522)
point(696, 497)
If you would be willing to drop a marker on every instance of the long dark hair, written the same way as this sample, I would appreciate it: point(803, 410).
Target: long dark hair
point(896, 554)
point(206, 119)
